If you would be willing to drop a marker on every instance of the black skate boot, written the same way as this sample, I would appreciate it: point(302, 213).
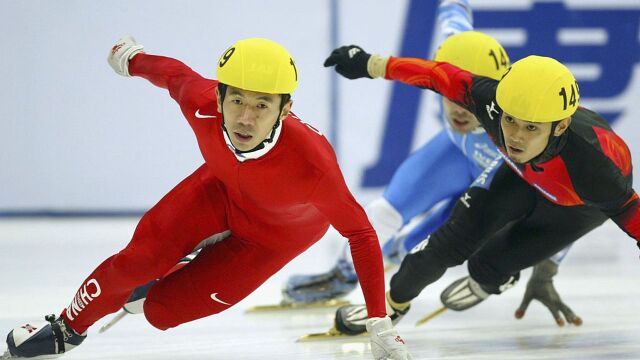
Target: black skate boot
point(42, 339)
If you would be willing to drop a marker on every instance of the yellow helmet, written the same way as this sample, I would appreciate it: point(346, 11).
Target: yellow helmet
point(260, 65)
point(475, 52)
point(538, 89)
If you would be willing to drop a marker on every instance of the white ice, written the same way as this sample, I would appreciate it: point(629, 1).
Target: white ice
point(44, 261)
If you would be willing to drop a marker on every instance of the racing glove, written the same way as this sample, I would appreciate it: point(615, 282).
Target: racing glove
point(120, 54)
point(540, 287)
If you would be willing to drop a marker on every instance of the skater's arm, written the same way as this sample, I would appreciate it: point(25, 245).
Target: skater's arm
point(185, 85)
point(448, 80)
point(604, 178)
point(453, 16)
point(628, 217)
point(335, 201)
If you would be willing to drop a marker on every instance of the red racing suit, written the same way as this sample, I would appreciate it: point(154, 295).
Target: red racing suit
point(270, 209)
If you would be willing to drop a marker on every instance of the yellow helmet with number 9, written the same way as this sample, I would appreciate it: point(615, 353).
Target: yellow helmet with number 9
point(260, 65)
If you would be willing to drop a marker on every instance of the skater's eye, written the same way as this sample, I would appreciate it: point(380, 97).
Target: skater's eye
point(508, 119)
point(532, 127)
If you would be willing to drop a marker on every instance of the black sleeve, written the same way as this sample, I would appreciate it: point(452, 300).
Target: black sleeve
point(485, 107)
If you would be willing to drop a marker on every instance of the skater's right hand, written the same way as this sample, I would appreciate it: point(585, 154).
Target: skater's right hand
point(385, 341)
point(540, 287)
point(120, 54)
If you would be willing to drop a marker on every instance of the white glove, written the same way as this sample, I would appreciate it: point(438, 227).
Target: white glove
point(385, 341)
point(122, 52)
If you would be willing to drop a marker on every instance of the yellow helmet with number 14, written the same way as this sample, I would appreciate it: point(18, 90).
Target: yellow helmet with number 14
point(538, 89)
point(475, 52)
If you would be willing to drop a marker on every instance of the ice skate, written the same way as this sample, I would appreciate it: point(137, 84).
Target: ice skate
point(462, 294)
point(351, 320)
point(48, 339)
point(316, 291)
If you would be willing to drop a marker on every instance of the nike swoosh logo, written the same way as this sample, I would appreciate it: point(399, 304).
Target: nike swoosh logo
point(214, 297)
point(200, 116)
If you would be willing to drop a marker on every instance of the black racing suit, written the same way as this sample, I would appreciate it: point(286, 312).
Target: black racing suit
point(515, 215)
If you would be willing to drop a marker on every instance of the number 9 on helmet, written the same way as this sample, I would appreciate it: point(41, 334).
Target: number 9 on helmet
point(259, 65)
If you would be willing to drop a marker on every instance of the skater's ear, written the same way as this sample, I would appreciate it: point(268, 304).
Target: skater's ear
point(562, 126)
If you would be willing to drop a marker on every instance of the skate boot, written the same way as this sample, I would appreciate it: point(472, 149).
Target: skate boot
point(338, 282)
point(466, 292)
point(463, 294)
point(42, 339)
point(352, 319)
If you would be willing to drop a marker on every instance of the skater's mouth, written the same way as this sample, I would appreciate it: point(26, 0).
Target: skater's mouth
point(515, 150)
point(242, 136)
point(459, 122)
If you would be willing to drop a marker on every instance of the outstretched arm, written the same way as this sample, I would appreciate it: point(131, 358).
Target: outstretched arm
point(448, 80)
point(453, 16)
point(127, 58)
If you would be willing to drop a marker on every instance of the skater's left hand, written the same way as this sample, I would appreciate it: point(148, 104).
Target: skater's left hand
point(540, 287)
point(385, 341)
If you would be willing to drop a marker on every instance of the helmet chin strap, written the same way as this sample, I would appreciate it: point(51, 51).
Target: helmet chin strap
point(554, 146)
point(222, 90)
point(267, 140)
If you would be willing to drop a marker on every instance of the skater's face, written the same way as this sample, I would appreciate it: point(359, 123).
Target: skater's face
point(524, 140)
point(461, 120)
point(249, 116)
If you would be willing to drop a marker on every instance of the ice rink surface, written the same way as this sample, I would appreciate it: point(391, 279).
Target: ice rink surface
point(44, 261)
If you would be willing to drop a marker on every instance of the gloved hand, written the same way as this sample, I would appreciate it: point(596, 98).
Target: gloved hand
point(385, 341)
point(540, 287)
point(122, 52)
point(349, 61)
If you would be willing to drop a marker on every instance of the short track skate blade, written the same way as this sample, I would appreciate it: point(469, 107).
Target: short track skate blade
point(333, 303)
point(431, 316)
point(331, 334)
point(113, 321)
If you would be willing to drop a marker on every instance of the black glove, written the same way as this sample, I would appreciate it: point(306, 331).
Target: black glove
point(540, 287)
point(350, 61)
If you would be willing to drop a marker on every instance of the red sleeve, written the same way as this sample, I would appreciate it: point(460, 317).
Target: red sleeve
point(629, 219)
point(184, 85)
point(443, 78)
point(335, 201)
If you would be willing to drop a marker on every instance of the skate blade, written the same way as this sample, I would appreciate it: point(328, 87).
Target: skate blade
point(333, 303)
point(431, 316)
point(331, 334)
point(8, 356)
point(113, 321)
